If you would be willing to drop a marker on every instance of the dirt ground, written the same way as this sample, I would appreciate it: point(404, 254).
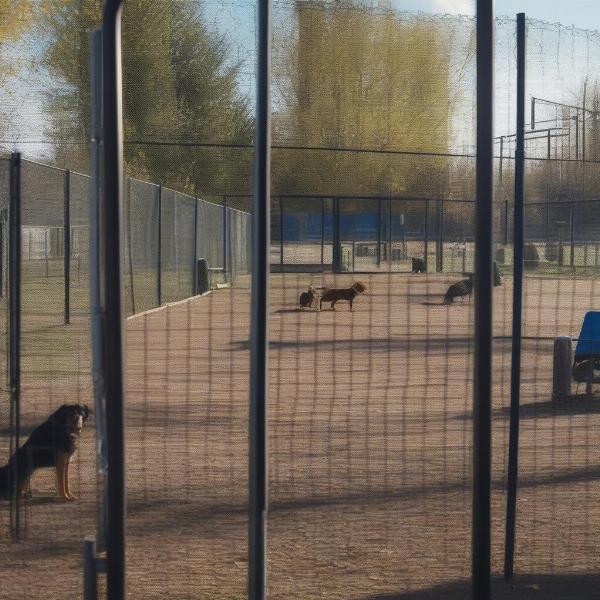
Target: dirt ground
point(370, 433)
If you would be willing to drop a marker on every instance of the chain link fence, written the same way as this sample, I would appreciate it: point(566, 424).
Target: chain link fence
point(165, 234)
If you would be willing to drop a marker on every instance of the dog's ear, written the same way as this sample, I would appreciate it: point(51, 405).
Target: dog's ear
point(85, 411)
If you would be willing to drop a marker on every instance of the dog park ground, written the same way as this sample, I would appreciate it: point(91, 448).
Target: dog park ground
point(370, 430)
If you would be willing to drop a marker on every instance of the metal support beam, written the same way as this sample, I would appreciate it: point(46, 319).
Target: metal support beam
point(14, 341)
point(95, 269)
point(259, 334)
point(113, 317)
point(484, 236)
point(195, 250)
point(67, 244)
point(518, 245)
point(159, 242)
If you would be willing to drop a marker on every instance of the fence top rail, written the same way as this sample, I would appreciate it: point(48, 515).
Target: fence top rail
point(129, 178)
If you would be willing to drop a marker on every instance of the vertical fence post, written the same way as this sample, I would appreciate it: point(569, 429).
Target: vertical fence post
point(426, 249)
point(482, 371)
point(439, 259)
point(281, 223)
point(159, 250)
point(322, 231)
point(506, 222)
point(113, 316)
point(67, 244)
point(379, 220)
point(195, 250)
point(389, 232)
point(225, 238)
point(336, 237)
point(259, 338)
point(572, 232)
point(2, 224)
point(14, 296)
point(130, 246)
point(95, 270)
point(518, 242)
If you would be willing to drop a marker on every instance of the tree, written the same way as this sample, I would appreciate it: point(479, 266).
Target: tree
point(179, 86)
point(15, 20)
point(361, 76)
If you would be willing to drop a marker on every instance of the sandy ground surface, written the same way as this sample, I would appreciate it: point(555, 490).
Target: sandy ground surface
point(370, 450)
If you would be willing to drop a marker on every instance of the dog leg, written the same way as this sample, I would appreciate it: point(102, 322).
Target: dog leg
point(68, 493)
point(61, 460)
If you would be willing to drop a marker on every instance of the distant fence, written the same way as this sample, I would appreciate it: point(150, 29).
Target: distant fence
point(165, 232)
point(375, 234)
point(45, 345)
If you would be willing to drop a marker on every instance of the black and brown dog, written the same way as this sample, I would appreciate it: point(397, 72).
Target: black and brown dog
point(52, 444)
point(334, 295)
point(308, 299)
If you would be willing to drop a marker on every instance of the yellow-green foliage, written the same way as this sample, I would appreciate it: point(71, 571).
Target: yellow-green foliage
point(178, 86)
point(361, 78)
point(15, 19)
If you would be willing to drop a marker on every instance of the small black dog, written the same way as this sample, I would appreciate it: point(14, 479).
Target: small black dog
point(458, 290)
point(52, 444)
point(418, 265)
point(307, 299)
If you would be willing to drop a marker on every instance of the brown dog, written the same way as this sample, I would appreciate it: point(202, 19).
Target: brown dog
point(334, 295)
point(52, 444)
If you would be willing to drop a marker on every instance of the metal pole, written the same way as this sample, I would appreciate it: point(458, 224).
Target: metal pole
point(439, 267)
point(518, 244)
point(259, 338)
point(532, 113)
point(90, 578)
point(225, 237)
point(583, 111)
point(195, 250)
point(484, 235)
point(67, 244)
point(576, 118)
point(506, 222)
point(389, 233)
point(281, 233)
point(95, 268)
point(322, 231)
point(336, 236)
point(159, 261)
point(572, 232)
point(113, 318)
point(426, 249)
point(379, 209)
point(2, 221)
point(14, 296)
point(501, 159)
point(130, 246)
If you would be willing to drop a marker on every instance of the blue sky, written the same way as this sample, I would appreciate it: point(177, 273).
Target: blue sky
point(236, 20)
point(581, 13)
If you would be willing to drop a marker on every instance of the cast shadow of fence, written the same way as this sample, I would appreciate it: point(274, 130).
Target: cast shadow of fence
point(525, 587)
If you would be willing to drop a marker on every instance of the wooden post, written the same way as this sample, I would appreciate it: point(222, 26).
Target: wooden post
point(561, 371)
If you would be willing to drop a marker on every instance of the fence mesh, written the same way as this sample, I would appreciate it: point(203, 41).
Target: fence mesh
point(370, 408)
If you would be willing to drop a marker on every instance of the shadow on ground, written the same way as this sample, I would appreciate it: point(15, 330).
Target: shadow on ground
point(524, 587)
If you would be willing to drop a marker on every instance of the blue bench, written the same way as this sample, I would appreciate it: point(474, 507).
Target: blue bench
point(587, 352)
